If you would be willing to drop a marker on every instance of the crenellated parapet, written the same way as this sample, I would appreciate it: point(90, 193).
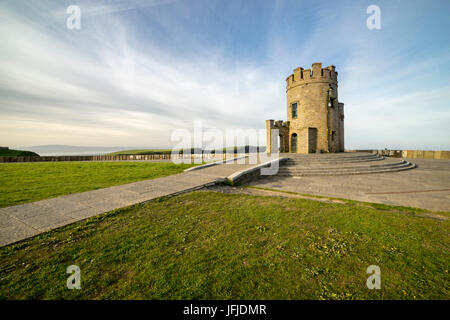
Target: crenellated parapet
point(281, 123)
point(315, 74)
point(277, 124)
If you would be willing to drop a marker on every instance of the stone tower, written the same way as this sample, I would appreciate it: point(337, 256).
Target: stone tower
point(315, 118)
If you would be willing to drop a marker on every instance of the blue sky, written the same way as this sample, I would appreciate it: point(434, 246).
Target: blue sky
point(137, 70)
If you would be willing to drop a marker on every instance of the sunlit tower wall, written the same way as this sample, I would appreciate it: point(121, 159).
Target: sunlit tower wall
point(314, 113)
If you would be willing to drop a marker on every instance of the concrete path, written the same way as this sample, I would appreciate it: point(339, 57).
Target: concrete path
point(427, 186)
point(29, 219)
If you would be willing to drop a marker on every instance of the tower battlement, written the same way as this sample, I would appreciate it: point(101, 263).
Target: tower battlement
point(315, 74)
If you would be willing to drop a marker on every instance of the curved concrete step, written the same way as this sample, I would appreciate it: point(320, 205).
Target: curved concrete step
point(348, 171)
point(327, 157)
point(299, 162)
point(297, 172)
point(331, 157)
point(342, 166)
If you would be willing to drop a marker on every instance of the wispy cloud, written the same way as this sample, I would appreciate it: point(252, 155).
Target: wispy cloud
point(123, 93)
point(136, 71)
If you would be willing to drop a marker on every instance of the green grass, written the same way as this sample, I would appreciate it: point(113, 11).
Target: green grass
point(17, 153)
point(207, 245)
point(26, 182)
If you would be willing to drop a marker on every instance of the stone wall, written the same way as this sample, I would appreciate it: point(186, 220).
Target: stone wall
point(283, 132)
point(418, 154)
point(341, 127)
point(426, 154)
point(199, 157)
point(309, 91)
point(254, 173)
point(319, 119)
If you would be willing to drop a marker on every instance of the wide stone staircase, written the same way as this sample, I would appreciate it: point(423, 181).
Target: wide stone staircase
point(340, 164)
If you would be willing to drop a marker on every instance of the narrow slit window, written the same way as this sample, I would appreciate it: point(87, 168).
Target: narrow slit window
point(294, 110)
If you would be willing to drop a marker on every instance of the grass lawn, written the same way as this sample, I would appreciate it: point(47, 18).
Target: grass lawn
point(208, 245)
point(26, 182)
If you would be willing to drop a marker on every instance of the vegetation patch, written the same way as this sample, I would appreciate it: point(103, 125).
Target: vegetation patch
point(27, 182)
point(17, 153)
point(210, 245)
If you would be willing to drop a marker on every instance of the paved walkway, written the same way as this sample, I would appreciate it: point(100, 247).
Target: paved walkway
point(427, 186)
point(29, 219)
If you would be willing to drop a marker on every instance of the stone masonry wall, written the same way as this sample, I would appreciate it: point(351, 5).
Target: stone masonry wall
point(319, 124)
point(144, 157)
point(310, 90)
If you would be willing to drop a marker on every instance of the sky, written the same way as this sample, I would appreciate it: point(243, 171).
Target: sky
point(136, 71)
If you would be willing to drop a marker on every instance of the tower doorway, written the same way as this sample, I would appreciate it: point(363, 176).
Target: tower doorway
point(294, 143)
point(312, 140)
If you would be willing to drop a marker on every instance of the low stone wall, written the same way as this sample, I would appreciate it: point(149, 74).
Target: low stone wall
point(203, 158)
point(418, 154)
point(424, 154)
point(253, 173)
